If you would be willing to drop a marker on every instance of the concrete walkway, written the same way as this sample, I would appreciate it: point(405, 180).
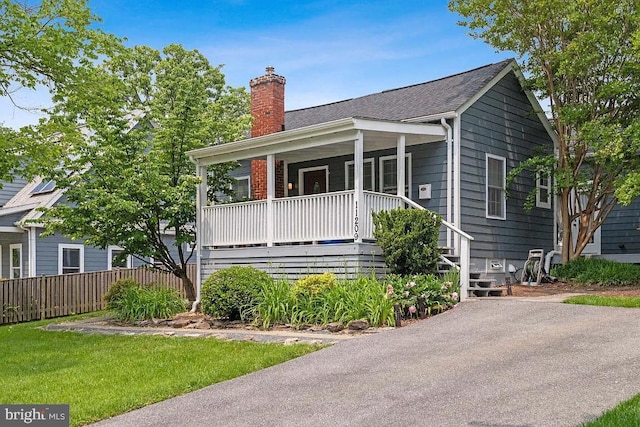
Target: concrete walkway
point(499, 362)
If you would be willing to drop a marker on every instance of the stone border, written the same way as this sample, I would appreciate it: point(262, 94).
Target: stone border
point(97, 326)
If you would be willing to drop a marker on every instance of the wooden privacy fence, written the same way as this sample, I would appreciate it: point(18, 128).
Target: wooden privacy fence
point(34, 298)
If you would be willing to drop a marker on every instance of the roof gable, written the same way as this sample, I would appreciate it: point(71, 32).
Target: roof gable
point(424, 99)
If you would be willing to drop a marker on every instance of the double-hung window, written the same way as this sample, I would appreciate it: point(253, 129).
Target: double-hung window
point(496, 187)
point(70, 258)
point(543, 190)
point(114, 261)
point(389, 174)
point(15, 261)
point(241, 187)
point(367, 175)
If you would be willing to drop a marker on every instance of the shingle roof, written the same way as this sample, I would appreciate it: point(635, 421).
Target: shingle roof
point(423, 99)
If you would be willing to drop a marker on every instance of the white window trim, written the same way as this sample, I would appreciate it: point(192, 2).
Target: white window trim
point(302, 171)
point(248, 178)
point(11, 248)
point(62, 246)
point(110, 250)
point(539, 202)
point(381, 161)
point(373, 172)
point(504, 186)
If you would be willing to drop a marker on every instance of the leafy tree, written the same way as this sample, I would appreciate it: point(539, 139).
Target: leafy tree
point(43, 44)
point(128, 180)
point(584, 56)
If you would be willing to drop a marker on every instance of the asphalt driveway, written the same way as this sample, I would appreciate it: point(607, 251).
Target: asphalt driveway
point(501, 362)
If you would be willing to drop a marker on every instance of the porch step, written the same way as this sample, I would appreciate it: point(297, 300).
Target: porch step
point(478, 286)
point(485, 292)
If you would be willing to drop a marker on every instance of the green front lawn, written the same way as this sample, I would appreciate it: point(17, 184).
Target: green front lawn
point(607, 301)
point(627, 413)
point(104, 375)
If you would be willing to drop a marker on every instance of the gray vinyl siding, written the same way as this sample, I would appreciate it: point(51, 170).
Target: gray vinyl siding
point(428, 166)
point(10, 220)
point(95, 259)
point(620, 234)
point(502, 123)
point(10, 189)
point(8, 239)
point(47, 255)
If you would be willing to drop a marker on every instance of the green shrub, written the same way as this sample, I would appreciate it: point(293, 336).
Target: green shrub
point(592, 271)
point(409, 239)
point(315, 283)
point(140, 303)
point(117, 290)
point(234, 293)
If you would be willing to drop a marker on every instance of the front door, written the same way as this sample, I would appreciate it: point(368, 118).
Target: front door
point(315, 181)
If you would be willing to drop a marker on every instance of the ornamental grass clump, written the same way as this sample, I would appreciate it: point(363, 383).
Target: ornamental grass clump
point(144, 303)
point(323, 299)
point(597, 271)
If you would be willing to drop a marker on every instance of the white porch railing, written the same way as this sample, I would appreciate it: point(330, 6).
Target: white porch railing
point(324, 216)
point(464, 251)
point(235, 224)
point(376, 202)
point(319, 217)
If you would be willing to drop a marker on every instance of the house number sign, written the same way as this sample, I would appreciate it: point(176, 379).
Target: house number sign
point(355, 224)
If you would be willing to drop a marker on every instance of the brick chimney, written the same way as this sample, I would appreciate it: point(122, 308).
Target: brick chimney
point(267, 110)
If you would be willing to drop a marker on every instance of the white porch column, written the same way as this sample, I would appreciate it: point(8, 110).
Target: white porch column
point(271, 191)
point(201, 202)
point(358, 208)
point(401, 145)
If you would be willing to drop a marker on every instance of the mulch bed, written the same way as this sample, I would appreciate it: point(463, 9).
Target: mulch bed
point(519, 290)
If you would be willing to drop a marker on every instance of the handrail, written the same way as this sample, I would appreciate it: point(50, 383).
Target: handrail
point(464, 251)
point(445, 223)
point(448, 262)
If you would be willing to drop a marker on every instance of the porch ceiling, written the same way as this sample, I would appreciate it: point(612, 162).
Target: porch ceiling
point(319, 141)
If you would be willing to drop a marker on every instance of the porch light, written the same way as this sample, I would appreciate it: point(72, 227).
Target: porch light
point(290, 186)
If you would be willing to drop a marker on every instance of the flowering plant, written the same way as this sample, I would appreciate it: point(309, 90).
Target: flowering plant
point(421, 295)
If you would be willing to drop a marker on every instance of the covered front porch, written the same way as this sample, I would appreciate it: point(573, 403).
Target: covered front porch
point(329, 229)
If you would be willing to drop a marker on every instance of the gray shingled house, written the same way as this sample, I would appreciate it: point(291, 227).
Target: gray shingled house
point(311, 177)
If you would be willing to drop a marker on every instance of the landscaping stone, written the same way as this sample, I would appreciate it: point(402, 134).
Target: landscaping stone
point(335, 327)
point(291, 341)
point(202, 324)
point(179, 323)
point(358, 325)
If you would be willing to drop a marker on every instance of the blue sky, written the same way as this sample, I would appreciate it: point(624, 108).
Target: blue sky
point(327, 50)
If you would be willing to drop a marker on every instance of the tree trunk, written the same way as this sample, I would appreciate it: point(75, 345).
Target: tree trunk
point(187, 284)
point(567, 238)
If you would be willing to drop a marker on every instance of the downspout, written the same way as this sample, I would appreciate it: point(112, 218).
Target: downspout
point(201, 186)
point(31, 232)
point(547, 259)
point(444, 124)
point(457, 218)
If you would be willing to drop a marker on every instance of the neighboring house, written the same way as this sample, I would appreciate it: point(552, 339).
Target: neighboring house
point(25, 253)
point(315, 174)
